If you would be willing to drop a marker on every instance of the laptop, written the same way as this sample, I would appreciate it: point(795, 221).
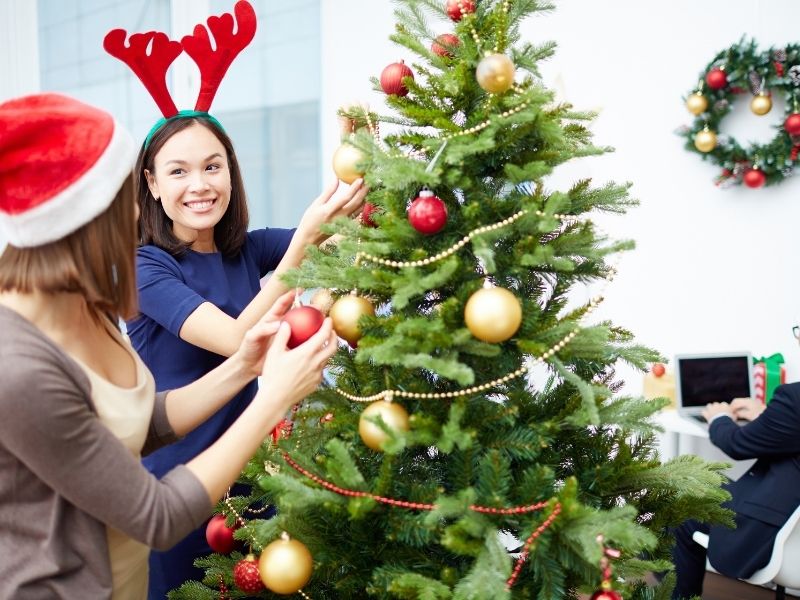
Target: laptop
point(714, 377)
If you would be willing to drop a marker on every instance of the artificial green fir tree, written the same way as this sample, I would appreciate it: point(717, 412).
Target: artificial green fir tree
point(517, 453)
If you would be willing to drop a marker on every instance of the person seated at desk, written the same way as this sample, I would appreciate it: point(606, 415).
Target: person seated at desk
point(762, 499)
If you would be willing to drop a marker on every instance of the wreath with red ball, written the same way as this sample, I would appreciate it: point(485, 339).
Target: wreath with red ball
point(743, 70)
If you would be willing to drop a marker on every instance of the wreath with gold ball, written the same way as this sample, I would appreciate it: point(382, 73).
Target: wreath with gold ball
point(738, 70)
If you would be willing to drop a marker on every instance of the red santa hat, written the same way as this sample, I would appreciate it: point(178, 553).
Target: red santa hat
point(62, 162)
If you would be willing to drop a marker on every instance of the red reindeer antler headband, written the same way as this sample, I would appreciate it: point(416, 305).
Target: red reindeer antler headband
point(151, 68)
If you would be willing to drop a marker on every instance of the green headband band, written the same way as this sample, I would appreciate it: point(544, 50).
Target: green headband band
point(181, 115)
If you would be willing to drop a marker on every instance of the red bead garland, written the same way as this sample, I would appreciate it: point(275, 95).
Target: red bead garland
point(531, 538)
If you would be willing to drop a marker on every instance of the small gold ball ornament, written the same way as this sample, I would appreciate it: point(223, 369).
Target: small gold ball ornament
point(285, 565)
point(493, 314)
point(345, 162)
point(761, 104)
point(322, 300)
point(394, 415)
point(696, 103)
point(705, 140)
point(346, 312)
point(495, 73)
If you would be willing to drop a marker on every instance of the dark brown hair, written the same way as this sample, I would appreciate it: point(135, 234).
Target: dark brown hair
point(96, 261)
point(155, 227)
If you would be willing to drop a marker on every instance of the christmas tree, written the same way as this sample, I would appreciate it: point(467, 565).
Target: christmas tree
point(471, 443)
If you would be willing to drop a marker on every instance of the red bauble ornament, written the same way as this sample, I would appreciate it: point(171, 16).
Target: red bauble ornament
point(246, 576)
point(754, 178)
point(716, 79)
point(305, 321)
point(392, 79)
point(219, 536)
point(443, 44)
point(366, 214)
point(792, 124)
point(456, 9)
point(606, 595)
point(658, 370)
point(427, 213)
point(282, 430)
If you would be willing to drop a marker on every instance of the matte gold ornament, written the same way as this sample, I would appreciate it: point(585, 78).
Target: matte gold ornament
point(761, 104)
point(322, 300)
point(493, 314)
point(345, 161)
point(393, 414)
point(696, 103)
point(495, 73)
point(285, 565)
point(346, 312)
point(705, 140)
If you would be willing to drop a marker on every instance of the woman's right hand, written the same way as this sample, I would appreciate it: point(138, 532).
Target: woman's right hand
point(294, 374)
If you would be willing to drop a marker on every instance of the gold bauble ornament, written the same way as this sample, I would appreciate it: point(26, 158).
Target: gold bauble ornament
point(761, 104)
point(322, 300)
point(697, 103)
point(705, 140)
point(346, 312)
point(345, 161)
point(495, 73)
point(285, 565)
point(493, 314)
point(394, 415)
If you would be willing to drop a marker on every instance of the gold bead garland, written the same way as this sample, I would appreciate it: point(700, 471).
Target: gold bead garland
point(389, 395)
point(360, 255)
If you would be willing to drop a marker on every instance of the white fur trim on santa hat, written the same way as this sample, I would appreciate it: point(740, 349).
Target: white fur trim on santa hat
point(78, 204)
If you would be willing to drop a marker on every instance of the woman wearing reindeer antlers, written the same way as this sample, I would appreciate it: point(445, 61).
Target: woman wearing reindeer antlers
point(198, 267)
point(77, 508)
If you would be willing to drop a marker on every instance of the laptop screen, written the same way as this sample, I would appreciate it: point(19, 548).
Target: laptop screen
point(704, 379)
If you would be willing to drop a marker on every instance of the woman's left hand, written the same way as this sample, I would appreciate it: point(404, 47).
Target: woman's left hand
point(328, 206)
point(256, 341)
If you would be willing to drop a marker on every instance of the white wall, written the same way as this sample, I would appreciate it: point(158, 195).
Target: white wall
point(713, 269)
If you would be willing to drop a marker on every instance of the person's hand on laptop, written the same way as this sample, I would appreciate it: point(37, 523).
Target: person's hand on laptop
point(747, 409)
point(713, 409)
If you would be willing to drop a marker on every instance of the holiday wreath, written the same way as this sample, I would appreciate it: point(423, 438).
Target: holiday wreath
point(738, 70)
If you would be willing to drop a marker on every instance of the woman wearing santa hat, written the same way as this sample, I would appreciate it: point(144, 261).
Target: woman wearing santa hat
point(77, 508)
point(199, 269)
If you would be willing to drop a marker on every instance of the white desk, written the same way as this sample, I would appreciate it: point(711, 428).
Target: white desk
point(687, 436)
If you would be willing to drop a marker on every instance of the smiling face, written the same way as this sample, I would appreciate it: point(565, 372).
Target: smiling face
point(192, 180)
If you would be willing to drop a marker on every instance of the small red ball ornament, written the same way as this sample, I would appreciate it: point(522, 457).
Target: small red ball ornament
point(366, 214)
point(754, 178)
point(305, 321)
point(246, 576)
point(427, 213)
point(456, 9)
point(716, 79)
point(392, 79)
point(282, 430)
point(443, 45)
point(606, 595)
point(658, 370)
point(792, 124)
point(219, 536)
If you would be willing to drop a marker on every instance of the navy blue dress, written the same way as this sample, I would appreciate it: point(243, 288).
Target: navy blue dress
point(170, 289)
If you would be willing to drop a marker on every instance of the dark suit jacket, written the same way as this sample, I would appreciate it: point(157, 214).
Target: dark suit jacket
point(765, 497)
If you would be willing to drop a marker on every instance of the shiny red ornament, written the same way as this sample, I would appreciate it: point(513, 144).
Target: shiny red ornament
point(456, 9)
point(606, 595)
point(392, 79)
point(443, 45)
point(658, 369)
point(246, 575)
point(792, 124)
point(427, 213)
point(366, 214)
point(282, 430)
point(716, 79)
point(305, 321)
point(754, 178)
point(219, 536)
